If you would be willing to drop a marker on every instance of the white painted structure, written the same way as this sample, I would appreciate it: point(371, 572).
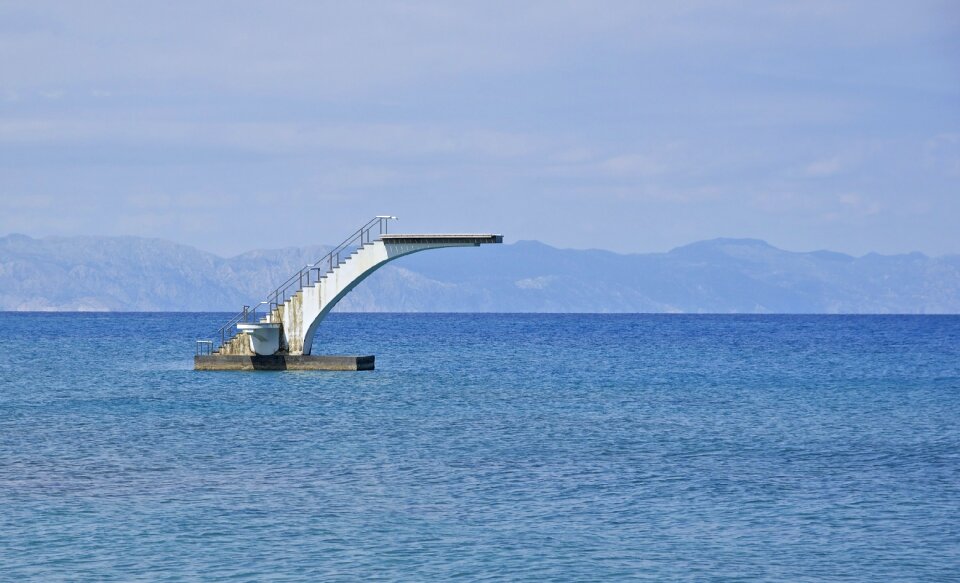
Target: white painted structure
point(303, 312)
point(292, 321)
point(264, 336)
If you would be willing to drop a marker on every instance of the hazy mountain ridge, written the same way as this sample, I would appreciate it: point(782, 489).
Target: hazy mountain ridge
point(720, 275)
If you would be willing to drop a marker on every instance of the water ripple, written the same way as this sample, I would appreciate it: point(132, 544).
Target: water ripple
point(486, 447)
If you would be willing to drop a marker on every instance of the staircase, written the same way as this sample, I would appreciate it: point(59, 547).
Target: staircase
point(231, 341)
point(286, 321)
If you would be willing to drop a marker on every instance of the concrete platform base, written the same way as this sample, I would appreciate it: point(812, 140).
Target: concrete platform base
point(282, 362)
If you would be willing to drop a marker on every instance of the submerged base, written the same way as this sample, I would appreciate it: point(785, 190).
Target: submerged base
point(282, 362)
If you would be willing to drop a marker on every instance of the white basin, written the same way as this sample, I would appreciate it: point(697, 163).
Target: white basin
point(264, 338)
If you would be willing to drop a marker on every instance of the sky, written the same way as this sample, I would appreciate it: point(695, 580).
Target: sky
point(630, 126)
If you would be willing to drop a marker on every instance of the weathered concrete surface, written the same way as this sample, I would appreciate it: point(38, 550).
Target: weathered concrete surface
point(239, 345)
point(282, 362)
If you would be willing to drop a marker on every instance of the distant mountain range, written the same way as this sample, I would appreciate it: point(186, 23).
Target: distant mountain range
point(716, 276)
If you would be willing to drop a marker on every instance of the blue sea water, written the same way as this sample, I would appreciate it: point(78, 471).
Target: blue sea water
point(486, 447)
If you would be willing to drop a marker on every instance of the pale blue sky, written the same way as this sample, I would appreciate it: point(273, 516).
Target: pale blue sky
point(621, 125)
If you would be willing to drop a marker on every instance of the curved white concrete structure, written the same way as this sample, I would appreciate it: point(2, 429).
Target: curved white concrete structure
point(289, 327)
point(302, 314)
point(292, 320)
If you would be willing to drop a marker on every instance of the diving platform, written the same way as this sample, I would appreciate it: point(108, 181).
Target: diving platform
point(278, 333)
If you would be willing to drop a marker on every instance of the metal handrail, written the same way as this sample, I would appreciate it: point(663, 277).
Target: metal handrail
point(331, 261)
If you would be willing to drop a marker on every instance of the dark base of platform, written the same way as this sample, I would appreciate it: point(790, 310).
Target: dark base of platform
point(282, 362)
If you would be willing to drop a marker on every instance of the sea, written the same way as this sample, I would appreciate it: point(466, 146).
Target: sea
point(485, 447)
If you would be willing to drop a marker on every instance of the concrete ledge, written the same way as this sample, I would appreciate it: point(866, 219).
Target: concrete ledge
point(282, 362)
point(463, 238)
